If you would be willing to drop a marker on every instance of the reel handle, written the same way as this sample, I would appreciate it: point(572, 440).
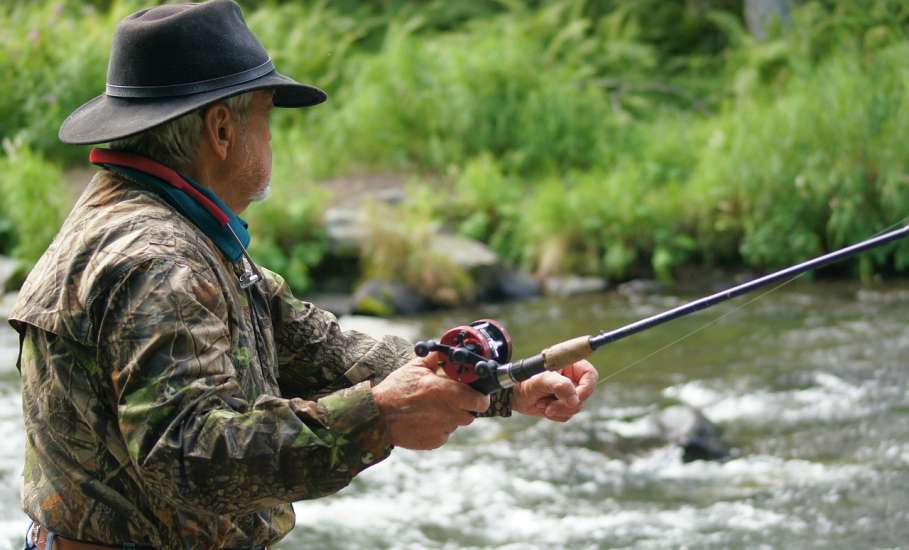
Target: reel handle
point(425, 347)
point(456, 354)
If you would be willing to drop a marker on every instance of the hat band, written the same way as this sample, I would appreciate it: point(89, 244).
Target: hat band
point(147, 92)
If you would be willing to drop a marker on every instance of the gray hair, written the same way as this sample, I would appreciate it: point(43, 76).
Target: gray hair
point(176, 143)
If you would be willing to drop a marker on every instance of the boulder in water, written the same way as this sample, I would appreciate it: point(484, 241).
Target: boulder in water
point(683, 426)
point(385, 298)
point(573, 285)
point(517, 285)
point(640, 287)
point(687, 427)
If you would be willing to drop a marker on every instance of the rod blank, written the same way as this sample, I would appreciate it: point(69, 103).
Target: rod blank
point(728, 294)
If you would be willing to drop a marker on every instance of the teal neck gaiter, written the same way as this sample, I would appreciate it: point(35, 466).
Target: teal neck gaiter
point(195, 212)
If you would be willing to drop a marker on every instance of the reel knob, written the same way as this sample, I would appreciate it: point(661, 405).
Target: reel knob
point(423, 348)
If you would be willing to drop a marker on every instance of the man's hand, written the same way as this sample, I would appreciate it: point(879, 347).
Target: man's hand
point(421, 408)
point(556, 395)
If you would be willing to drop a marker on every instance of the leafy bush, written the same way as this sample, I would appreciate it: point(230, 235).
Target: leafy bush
point(820, 166)
point(430, 103)
point(54, 56)
point(34, 202)
point(486, 205)
point(287, 230)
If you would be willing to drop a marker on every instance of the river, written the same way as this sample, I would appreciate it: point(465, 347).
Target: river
point(809, 384)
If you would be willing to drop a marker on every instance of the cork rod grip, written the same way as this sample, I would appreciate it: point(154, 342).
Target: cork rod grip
point(565, 353)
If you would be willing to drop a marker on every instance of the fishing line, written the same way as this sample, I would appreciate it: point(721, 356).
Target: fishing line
point(479, 354)
point(723, 316)
point(697, 330)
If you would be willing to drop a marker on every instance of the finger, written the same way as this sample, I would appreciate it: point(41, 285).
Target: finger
point(585, 377)
point(544, 402)
point(439, 441)
point(560, 408)
point(564, 391)
point(430, 362)
point(588, 381)
point(464, 397)
point(558, 417)
point(465, 419)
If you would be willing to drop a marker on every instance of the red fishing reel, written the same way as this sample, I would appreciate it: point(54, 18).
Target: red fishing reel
point(461, 348)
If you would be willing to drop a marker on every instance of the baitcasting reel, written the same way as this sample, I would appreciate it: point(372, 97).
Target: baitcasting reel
point(470, 353)
point(479, 355)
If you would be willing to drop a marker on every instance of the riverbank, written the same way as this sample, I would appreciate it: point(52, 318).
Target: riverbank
point(620, 141)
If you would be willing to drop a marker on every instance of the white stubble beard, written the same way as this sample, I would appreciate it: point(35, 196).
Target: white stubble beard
point(263, 193)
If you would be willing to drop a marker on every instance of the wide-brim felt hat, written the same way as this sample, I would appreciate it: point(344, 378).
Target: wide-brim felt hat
point(169, 60)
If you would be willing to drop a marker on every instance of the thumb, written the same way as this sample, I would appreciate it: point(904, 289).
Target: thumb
point(430, 362)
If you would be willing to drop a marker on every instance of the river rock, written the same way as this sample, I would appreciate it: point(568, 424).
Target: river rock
point(682, 425)
point(384, 298)
point(344, 230)
point(687, 427)
point(478, 261)
point(345, 223)
point(391, 196)
point(475, 259)
point(467, 254)
point(347, 229)
point(572, 285)
point(641, 286)
point(517, 285)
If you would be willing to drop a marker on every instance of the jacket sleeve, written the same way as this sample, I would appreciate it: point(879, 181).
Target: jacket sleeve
point(315, 356)
point(194, 438)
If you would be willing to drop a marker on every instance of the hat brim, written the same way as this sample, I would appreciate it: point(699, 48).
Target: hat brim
point(106, 118)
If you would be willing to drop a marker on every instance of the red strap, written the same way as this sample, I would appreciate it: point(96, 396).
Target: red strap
point(129, 160)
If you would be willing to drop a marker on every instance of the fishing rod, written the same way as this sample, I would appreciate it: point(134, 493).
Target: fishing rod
point(479, 354)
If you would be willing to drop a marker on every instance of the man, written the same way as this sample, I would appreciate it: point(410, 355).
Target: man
point(176, 395)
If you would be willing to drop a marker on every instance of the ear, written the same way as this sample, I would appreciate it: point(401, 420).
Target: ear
point(218, 130)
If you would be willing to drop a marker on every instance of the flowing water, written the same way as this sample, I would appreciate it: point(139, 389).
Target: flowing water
point(809, 384)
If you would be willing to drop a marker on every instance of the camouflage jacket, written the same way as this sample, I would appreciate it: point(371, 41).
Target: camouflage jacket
point(164, 406)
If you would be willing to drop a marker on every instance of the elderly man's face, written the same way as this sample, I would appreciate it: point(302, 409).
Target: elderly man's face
point(254, 147)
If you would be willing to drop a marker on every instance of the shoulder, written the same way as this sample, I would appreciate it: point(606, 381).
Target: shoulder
point(121, 222)
point(116, 231)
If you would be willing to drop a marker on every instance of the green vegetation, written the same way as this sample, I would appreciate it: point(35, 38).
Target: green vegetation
point(615, 138)
point(396, 249)
point(33, 203)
